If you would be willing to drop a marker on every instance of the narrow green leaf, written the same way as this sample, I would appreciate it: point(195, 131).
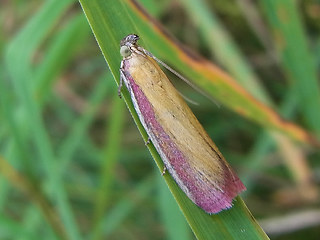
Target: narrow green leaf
point(110, 157)
point(173, 220)
point(204, 74)
point(110, 22)
point(296, 59)
point(124, 207)
point(19, 52)
point(58, 53)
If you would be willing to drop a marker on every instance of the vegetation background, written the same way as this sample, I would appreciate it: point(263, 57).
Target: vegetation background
point(74, 166)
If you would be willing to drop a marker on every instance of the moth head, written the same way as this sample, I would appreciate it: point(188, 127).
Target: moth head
point(129, 40)
point(126, 44)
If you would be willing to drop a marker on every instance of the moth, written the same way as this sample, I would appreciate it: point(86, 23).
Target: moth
point(188, 153)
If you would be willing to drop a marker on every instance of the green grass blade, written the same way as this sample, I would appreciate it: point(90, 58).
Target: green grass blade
point(61, 48)
point(18, 52)
point(31, 222)
point(79, 127)
point(216, 83)
point(109, 27)
point(123, 208)
point(222, 46)
point(296, 59)
point(110, 157)
point(174, 222)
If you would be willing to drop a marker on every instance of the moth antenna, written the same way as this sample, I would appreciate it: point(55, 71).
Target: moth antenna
point(181, 77)
point(121, 81)
point(188, 99)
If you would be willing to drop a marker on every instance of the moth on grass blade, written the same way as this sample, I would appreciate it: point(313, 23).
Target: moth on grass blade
point(188, 153)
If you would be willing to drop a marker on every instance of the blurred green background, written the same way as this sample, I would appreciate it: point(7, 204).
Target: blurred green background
point(73, 164)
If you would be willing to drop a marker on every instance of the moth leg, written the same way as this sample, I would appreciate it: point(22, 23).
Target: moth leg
point(121, 82)
point(148, 141)
point(164, 170)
